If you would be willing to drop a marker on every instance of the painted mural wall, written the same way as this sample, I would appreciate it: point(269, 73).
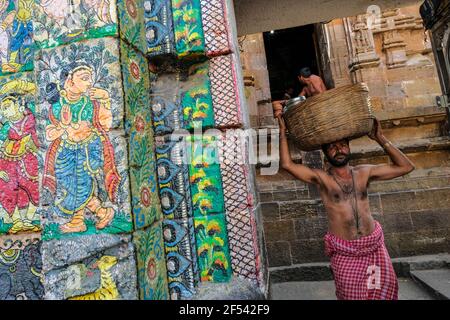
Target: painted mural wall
point(100, 197)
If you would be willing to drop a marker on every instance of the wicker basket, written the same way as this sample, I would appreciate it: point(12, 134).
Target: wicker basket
point(336, 114)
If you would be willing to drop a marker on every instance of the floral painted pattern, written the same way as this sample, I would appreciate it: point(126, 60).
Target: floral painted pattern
point(138, 125)
point(196, 100)
point(131, 21)
point(152, 273)
point(212, 248)
point(205, 177)
point(187, 20)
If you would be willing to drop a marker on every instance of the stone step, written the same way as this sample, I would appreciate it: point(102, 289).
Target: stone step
point(410, 184)
point(437, 281)
point(407, 146)
point(321, 271)
point(325, 290)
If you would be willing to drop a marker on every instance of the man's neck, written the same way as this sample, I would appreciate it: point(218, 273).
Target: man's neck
point(342, 172)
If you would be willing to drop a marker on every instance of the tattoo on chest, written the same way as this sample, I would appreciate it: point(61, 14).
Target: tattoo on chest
point(349, 192)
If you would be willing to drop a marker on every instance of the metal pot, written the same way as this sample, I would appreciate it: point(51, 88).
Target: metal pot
point(293, 102)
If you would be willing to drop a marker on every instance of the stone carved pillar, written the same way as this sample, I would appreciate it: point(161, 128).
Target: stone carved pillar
point(360, 43)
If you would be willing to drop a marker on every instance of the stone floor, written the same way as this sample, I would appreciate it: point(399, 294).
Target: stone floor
point(324, 290)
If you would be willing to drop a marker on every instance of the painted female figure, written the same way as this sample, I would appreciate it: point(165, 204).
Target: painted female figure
point(80, 151)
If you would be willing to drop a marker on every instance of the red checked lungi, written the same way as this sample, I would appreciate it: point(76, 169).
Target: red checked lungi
point(362, 268)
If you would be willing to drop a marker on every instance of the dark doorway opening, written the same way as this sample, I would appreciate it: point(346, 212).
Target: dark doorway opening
point(287, 51)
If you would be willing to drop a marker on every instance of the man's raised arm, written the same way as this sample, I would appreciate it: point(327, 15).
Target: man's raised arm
point(400, 166)
point(299, 171)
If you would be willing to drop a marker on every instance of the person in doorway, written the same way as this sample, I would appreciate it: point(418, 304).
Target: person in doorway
point(314, 85)
point(360, 262)
point(288, 93)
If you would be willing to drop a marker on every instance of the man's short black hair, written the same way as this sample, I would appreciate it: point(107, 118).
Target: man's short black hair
point(325, 146)
point(305, 72)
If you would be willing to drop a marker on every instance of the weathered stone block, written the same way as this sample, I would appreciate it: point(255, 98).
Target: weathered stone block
point(21, 268)
point(279, 230)
point(16, 36)
point(138, 120)
point(310, 228)
point(132, 22)
point(173, 177)
point(212, 248)
point(279, 253)
point(205, 175)
point(415, 201)
point(181, 256)
point(236, 171)
point(429, 220)
point(297, 209)
point(19, 196)
point(288, 195)
point(205, 95)
point(418, 243)
point(235, 289)
point(420, 101)
point(182, 100)
point(270, 211)
point(305, 251)
point(398, 222)
point(266, 197)
point(226, 90)
point(99, 267)
point(375, 204)
point(159, 28)
point(187, 29)
point(243, 242)
point(61, 22)
point(145, 203)
point(151, 263)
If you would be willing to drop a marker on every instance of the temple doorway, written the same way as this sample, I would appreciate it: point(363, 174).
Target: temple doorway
point(290, 50)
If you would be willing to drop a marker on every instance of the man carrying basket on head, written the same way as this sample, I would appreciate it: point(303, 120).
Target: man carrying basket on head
point(360, 262)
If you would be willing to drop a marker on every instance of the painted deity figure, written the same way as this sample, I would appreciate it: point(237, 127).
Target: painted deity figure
point(16, 33)
point(61, 10)
point(103, 8)
point(80, 151)
point(19, 187)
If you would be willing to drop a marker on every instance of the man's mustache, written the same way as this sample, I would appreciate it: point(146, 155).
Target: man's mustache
point(339, 154)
